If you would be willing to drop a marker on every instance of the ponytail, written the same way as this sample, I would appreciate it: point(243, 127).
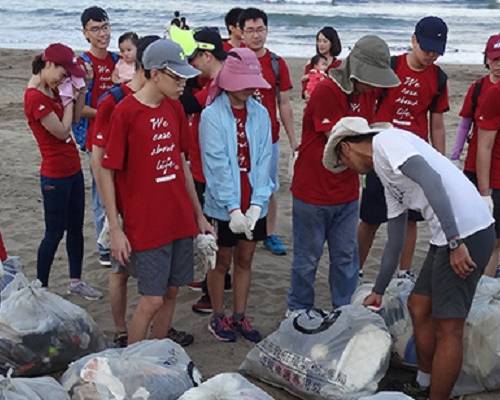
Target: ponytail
point(37, 65)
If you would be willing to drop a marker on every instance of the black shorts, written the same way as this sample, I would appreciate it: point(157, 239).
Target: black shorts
point(226, 237)
point(200, 191)
point(495, 195)
point(451, 295)
point(373, 208)
point(472, 177)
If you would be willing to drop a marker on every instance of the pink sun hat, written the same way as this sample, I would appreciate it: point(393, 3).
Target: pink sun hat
point(240, 71)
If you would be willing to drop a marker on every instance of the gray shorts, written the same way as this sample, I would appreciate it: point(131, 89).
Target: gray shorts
point(129, 268)
point(167, 266)
point(451, 295)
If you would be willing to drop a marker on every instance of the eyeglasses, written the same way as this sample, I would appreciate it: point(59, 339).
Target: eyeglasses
point(98, 29)
point(252, 31)
point(178, 79)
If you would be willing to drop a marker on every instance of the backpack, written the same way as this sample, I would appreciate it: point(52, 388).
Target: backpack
point(478, 85)
point(275, 64)
point(116, 91)
point(80, 128)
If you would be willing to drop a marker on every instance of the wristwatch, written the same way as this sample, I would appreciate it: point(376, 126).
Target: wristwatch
point(454, 244)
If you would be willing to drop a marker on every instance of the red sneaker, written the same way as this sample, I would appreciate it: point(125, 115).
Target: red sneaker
point(203, 305)
point(195, 286)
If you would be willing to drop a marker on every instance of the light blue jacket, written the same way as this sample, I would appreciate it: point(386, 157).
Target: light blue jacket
point(218, 143)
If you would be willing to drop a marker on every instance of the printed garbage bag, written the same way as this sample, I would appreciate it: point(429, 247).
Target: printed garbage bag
point(40, 332)
point(387, 396)
point(227, 386)
point(44, 388)
point(150, 369)
point(318, 355)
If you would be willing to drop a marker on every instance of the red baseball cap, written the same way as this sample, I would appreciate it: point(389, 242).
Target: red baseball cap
point(492, 50)
point(62, 55)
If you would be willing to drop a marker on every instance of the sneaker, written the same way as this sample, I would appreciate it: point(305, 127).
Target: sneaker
point(245, 329)
point(415, 391)
point(497, 272)
point(180, 337)
point(406, 274)
point(221, 328)
point(293, 313)
point(195, 286)
point(84, 290)
point(228, 283)
point(275, 245)
point(120, 339)
point(105, 260)
point(203, 305)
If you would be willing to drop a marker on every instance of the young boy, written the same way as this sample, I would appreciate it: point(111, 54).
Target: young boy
point(99, 63)
point(145, 166)
point(233, 29)
point(253, 23)
point(417, 105)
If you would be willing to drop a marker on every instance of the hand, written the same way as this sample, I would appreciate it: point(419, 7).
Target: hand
point(456, 163)
point(489, 202)
point(89, 72)
point(293, 145)
point(120, 246)
point(461, 262)
point(205, 227)
point(239, 224)
point(253, 214)
point(373, 300)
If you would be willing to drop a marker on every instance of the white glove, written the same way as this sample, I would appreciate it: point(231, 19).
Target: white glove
point(489, 202)
point(253, 214)
point(240, 224)
point(104, 238)
point(456, 163)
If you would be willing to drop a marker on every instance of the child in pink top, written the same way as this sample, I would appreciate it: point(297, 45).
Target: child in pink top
point(125, 67)
point(316, 74)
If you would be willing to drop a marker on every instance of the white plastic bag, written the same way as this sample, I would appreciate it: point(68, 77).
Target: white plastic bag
point(8, 270)
point(387, 396)
point(151, 369)
point(204, 255)
point(44, 388)
point(40, 332)
point(317, 355)
point(227, 386)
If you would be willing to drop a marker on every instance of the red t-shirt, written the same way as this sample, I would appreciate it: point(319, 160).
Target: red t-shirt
point(60, 158)
point(489, 120)
point(334, 64)
point(3, 251)
point(467, 112)
point(102, 82)
point(228, 46)
point(102, 120)
point(408, 105)
point(144, 147)
point(268, 96)
point(194, 136)
point(313, 183)
point(243, 158)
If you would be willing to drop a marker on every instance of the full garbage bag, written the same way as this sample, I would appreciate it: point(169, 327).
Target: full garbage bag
point(8, 270)
point(44, 388)
point(227, 386)
point(40, 332)
point(150, 369)
point(318, 355)
point(387, 396)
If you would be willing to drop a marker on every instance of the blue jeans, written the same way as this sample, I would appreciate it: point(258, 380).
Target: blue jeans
point(313, 226)
point(64, 208)
point(99, 214)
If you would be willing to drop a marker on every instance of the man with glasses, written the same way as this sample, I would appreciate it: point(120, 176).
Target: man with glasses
point(253, 23)
point(144, 166)
point(99, 63)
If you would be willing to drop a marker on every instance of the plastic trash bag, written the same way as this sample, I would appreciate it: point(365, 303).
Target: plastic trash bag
point(227, 386)
point(387, 396)
point(44, 388)
point(204, 255)
point(40, 332)
point(151, 369)
point(397, 318)
point(8, 269)
point(317, 355)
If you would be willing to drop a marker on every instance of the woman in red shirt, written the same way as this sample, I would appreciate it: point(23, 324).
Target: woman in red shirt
point(60, 171)
point(328, 45)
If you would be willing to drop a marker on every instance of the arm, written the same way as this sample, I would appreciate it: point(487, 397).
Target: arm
point(438, 132)
point(79, 103)
point(114, 76)
point(88, 112)
point(261, 190)
point(286, 116)
point(461, 135)
point(95, 164)
point(61, 129)
point(485, 142)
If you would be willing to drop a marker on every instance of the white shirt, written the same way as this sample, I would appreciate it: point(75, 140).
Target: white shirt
point(391, 149)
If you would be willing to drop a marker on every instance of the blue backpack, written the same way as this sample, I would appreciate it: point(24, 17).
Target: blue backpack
point(80, 128)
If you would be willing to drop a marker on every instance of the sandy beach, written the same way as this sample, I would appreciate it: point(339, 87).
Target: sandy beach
point(21, 223)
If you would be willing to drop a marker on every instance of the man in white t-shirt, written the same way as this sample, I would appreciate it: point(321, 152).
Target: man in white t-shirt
point(416, 176)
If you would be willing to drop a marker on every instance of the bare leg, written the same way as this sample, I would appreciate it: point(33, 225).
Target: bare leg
point(421, 314)
point(215, 278)
point(491, 267)
point(366, 234)
point(117, 284)
point(447, 360)
point(163, 319)
point(409, 246)
point(146, 309)
point(242, 274)
point(272, 215)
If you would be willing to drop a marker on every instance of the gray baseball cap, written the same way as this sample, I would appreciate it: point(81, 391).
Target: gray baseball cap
point(165, 54)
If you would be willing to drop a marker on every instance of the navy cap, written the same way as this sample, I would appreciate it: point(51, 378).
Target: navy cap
point(431, 34)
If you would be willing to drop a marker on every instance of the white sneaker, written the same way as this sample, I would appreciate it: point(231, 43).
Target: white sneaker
point(293, 313)
point(84, 290)
point(406, 274)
